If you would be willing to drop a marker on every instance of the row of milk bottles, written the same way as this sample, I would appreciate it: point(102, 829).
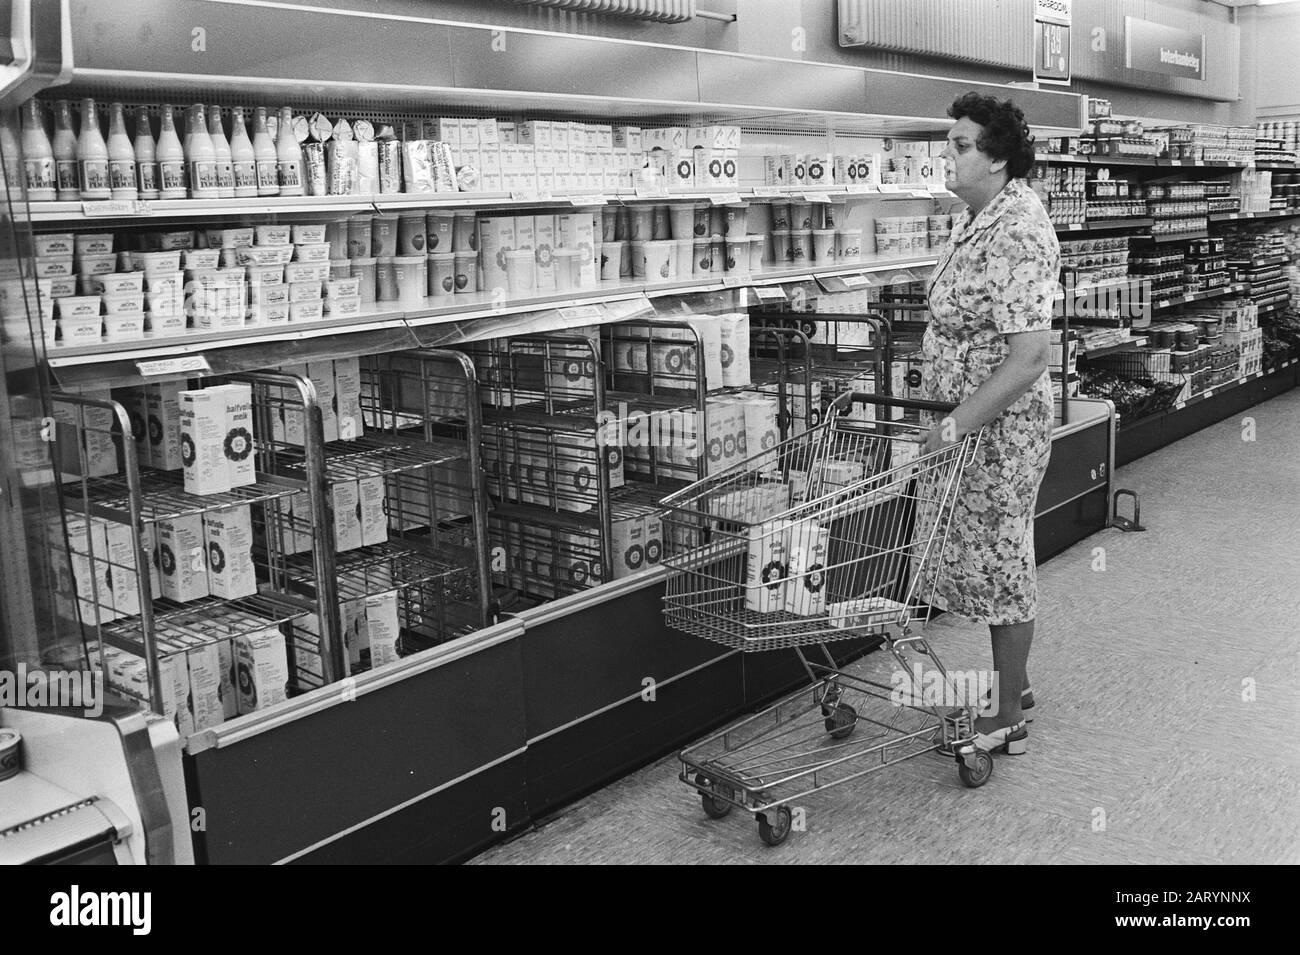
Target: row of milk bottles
point(207, 165)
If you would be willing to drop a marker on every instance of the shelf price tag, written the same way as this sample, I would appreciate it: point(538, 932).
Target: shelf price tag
point(620, 311)
point(525, 195)
point(725, 199)
point(855, 281)
point(770, 293)
point(652, 192)
point(767, 192)
point(816, 197)
point(582, 314)
point(181, 364)
point(588, 201)
point(113, 208)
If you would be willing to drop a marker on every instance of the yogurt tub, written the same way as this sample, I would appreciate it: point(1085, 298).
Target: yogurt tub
point(365, 269)
point(81, 331)
point(96, 243)
point(165, 326)
point(54, 268)
point(309, 233)
point(304, 292)
point(265, 275)
point(307, 272)
point(58, 246)
point(97, 264)
point(202, 258)
point(78, 308)
point(466, 264)
point(170, 241)
point(340, 268)
point(165, 281)
point(10, 761)
point(410, 233)
point(344, 307)
point(313, 252)
point(123, 304)
point(124, 327)
point(272, 234)
point(165, 303)
point(264, 255)
point(230, 238)
point(343, 288)
point(126, 261)
point(306, 311)
point(150, 262)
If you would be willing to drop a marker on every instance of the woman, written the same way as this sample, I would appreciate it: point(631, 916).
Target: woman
point(986, 349)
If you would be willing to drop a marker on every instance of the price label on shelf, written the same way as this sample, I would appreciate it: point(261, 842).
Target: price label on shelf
point(767, 192)
point(770, 293)
point(652, 192)
point(726, 199)
point(113, 208)
point(1209, 392)
point(588, 201)
point(855, 281)
point(582, 314)
point(181, 364)
point(626, 309)
point(816, 197)
point(525, 195)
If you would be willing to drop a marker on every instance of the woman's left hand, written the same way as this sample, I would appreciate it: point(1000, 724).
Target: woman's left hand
point(943, 434)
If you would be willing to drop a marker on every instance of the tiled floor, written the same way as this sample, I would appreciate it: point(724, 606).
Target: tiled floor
point(1167, 685)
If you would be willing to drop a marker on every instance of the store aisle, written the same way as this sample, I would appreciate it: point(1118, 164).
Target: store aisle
point(1167, 672)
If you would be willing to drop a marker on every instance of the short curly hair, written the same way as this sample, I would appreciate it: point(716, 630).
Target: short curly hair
point(1005, 134)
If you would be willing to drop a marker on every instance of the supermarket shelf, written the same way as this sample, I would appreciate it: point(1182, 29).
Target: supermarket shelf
point(72, 213)
point(1199, 296)
point(209, 619)
point(1278, 166)
point(1110, 349)
point(164, 498)
point(152, 346)
point(378, 455)
point(1094, 287)
point(1178, 237)
point(392, 565)
point(1273, 307)
point(1064, 159)
point(1098, 225)
point(1154, 163)
point(1271, 214)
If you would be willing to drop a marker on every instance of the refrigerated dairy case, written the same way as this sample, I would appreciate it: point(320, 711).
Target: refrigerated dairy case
point(383, 596)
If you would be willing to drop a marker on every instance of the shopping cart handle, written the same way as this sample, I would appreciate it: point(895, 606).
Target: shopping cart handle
point(887, 401)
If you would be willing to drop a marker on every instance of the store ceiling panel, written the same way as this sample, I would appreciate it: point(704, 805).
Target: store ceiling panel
point(317, 57)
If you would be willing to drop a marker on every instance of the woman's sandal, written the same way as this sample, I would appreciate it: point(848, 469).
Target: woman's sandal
point(1026, 703)
point(1012, 740)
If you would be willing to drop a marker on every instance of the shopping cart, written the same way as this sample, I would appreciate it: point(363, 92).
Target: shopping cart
point(836, 533)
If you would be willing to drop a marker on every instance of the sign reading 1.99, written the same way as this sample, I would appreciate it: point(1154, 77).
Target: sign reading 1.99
point(1052, 41)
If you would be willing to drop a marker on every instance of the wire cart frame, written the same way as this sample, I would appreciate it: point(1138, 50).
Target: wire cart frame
point(756, 565)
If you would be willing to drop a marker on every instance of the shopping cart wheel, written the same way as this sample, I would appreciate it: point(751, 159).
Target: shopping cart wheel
point(841, 720)
point(774, 835)
point(714, 807)
point(974, 778)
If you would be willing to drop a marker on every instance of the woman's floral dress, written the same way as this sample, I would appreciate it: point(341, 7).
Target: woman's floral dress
point(996, 277)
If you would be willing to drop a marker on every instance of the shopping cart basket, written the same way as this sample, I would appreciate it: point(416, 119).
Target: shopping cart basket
point(836, 533)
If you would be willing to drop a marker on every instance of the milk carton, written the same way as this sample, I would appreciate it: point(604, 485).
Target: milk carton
point(628, 551)
point(733, 350)
point(229, 536)
point(304, 651)
point(382, 627)
point(120, 542)
point(262, 669)
point(347, 515)
point(347, 398)
point(356, 636)
point(206, 704)
point(203, 433)
point(805, 592)
point(88, 548)
point(371, 495)
point(229, 695)
point(321, 374)
point(182, 558)
point(766, 566)
point(237, 445)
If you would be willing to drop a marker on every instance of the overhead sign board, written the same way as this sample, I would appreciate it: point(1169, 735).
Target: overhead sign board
point(1156, 48)
point(1052, 22)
